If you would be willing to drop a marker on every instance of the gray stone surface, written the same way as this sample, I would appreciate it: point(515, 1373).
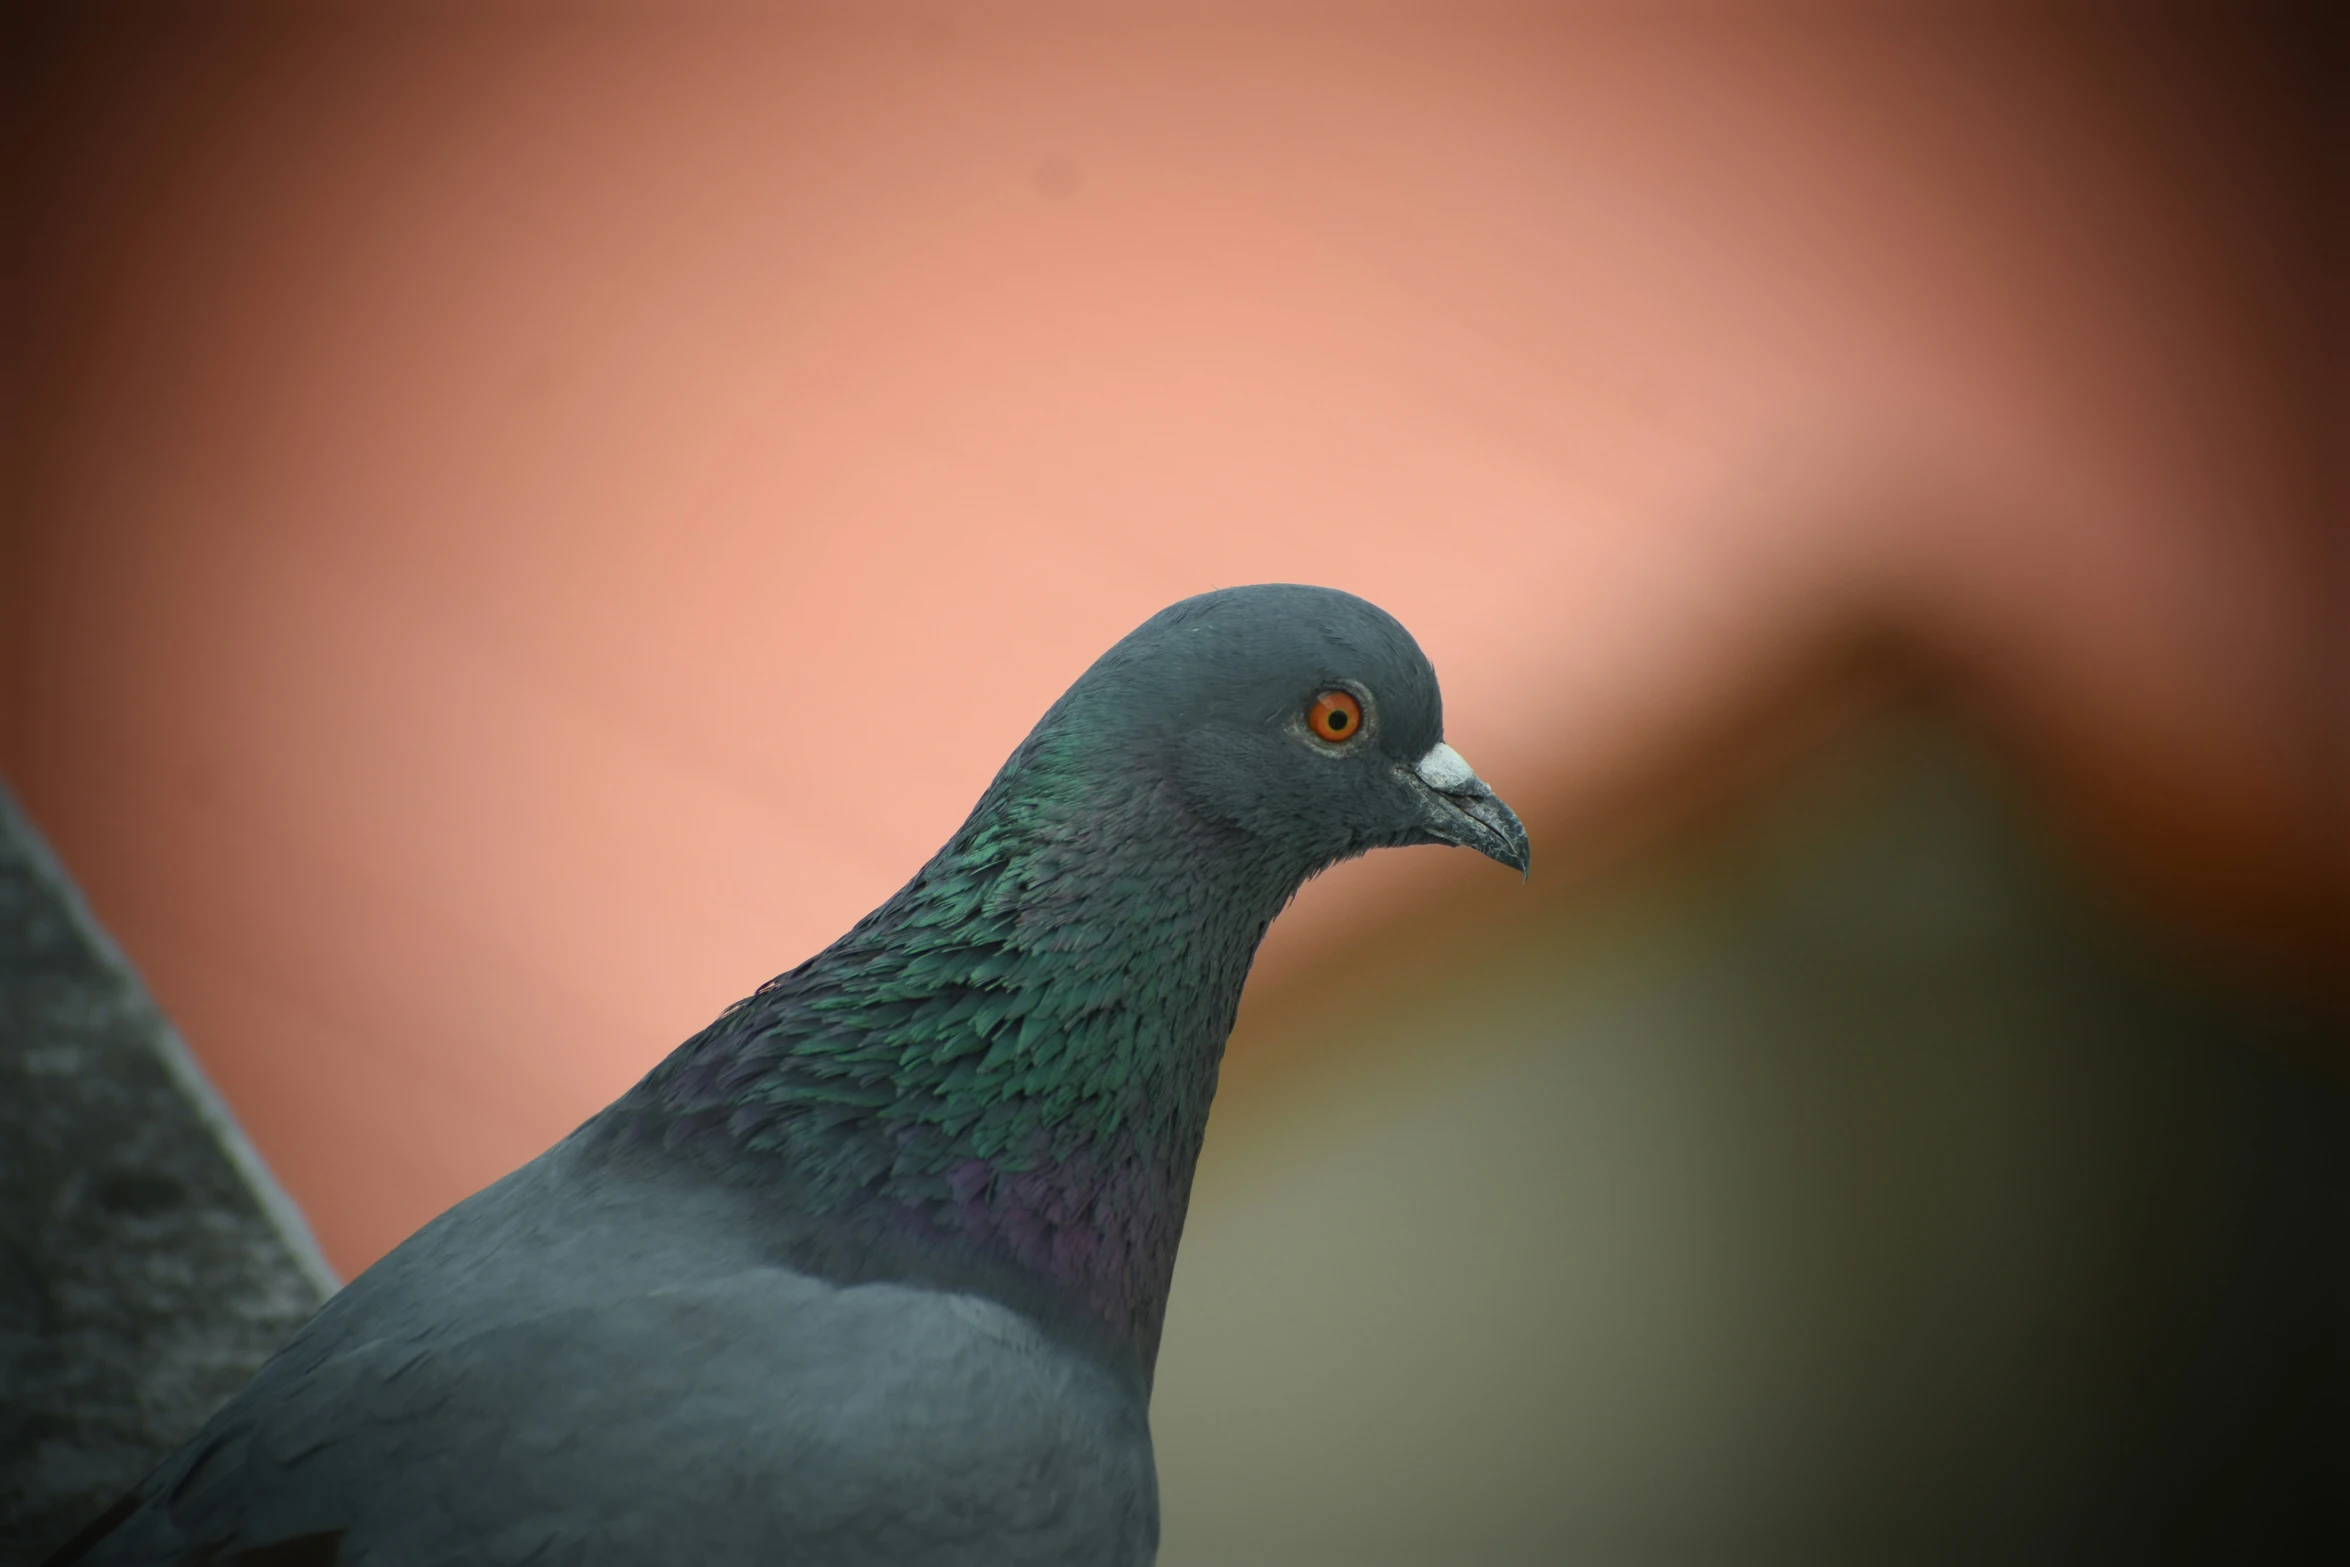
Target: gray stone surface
point(147, 1263)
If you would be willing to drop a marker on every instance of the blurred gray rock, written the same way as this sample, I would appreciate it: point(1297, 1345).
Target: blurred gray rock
point(148, 1263)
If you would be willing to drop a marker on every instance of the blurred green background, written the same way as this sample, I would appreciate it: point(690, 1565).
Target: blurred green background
point(1848, 1177)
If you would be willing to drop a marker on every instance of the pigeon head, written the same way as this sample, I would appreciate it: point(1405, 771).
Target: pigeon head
point(1305, 718)
point(998, 1080)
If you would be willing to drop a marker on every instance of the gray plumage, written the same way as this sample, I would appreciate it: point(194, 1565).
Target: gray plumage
point(614, 1369)
point(872, 1270)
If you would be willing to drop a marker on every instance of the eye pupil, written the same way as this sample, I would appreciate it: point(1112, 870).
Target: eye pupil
point(1337, 721)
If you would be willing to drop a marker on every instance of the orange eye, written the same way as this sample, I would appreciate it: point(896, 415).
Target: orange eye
point(1335, 716)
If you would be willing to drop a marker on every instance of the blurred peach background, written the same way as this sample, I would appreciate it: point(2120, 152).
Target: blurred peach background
point(525, 525)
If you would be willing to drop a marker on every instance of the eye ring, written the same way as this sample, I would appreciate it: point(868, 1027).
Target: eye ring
point(1335, 717)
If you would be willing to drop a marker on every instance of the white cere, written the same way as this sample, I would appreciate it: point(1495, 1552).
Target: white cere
point(1443, 770)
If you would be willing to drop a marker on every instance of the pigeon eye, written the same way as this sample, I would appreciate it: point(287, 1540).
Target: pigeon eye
point(1335, 716)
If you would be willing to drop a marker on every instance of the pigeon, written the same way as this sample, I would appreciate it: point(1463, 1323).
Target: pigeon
point(873, 1268)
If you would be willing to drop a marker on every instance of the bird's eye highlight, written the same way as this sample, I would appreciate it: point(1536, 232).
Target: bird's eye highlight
point(1335, 716)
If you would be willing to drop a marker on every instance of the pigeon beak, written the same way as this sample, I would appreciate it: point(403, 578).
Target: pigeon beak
point(1459, 809)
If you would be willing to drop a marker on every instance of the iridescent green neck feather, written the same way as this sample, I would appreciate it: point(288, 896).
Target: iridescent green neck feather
point(1018, 1050)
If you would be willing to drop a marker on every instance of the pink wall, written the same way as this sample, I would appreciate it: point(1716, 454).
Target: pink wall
point(529, 527)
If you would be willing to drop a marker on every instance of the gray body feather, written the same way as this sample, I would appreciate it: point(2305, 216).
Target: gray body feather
point(485, 1395)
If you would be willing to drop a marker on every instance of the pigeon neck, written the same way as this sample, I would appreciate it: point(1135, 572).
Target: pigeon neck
point(1000, 1078)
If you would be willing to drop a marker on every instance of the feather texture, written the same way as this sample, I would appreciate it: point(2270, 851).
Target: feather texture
point(874, 1268)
